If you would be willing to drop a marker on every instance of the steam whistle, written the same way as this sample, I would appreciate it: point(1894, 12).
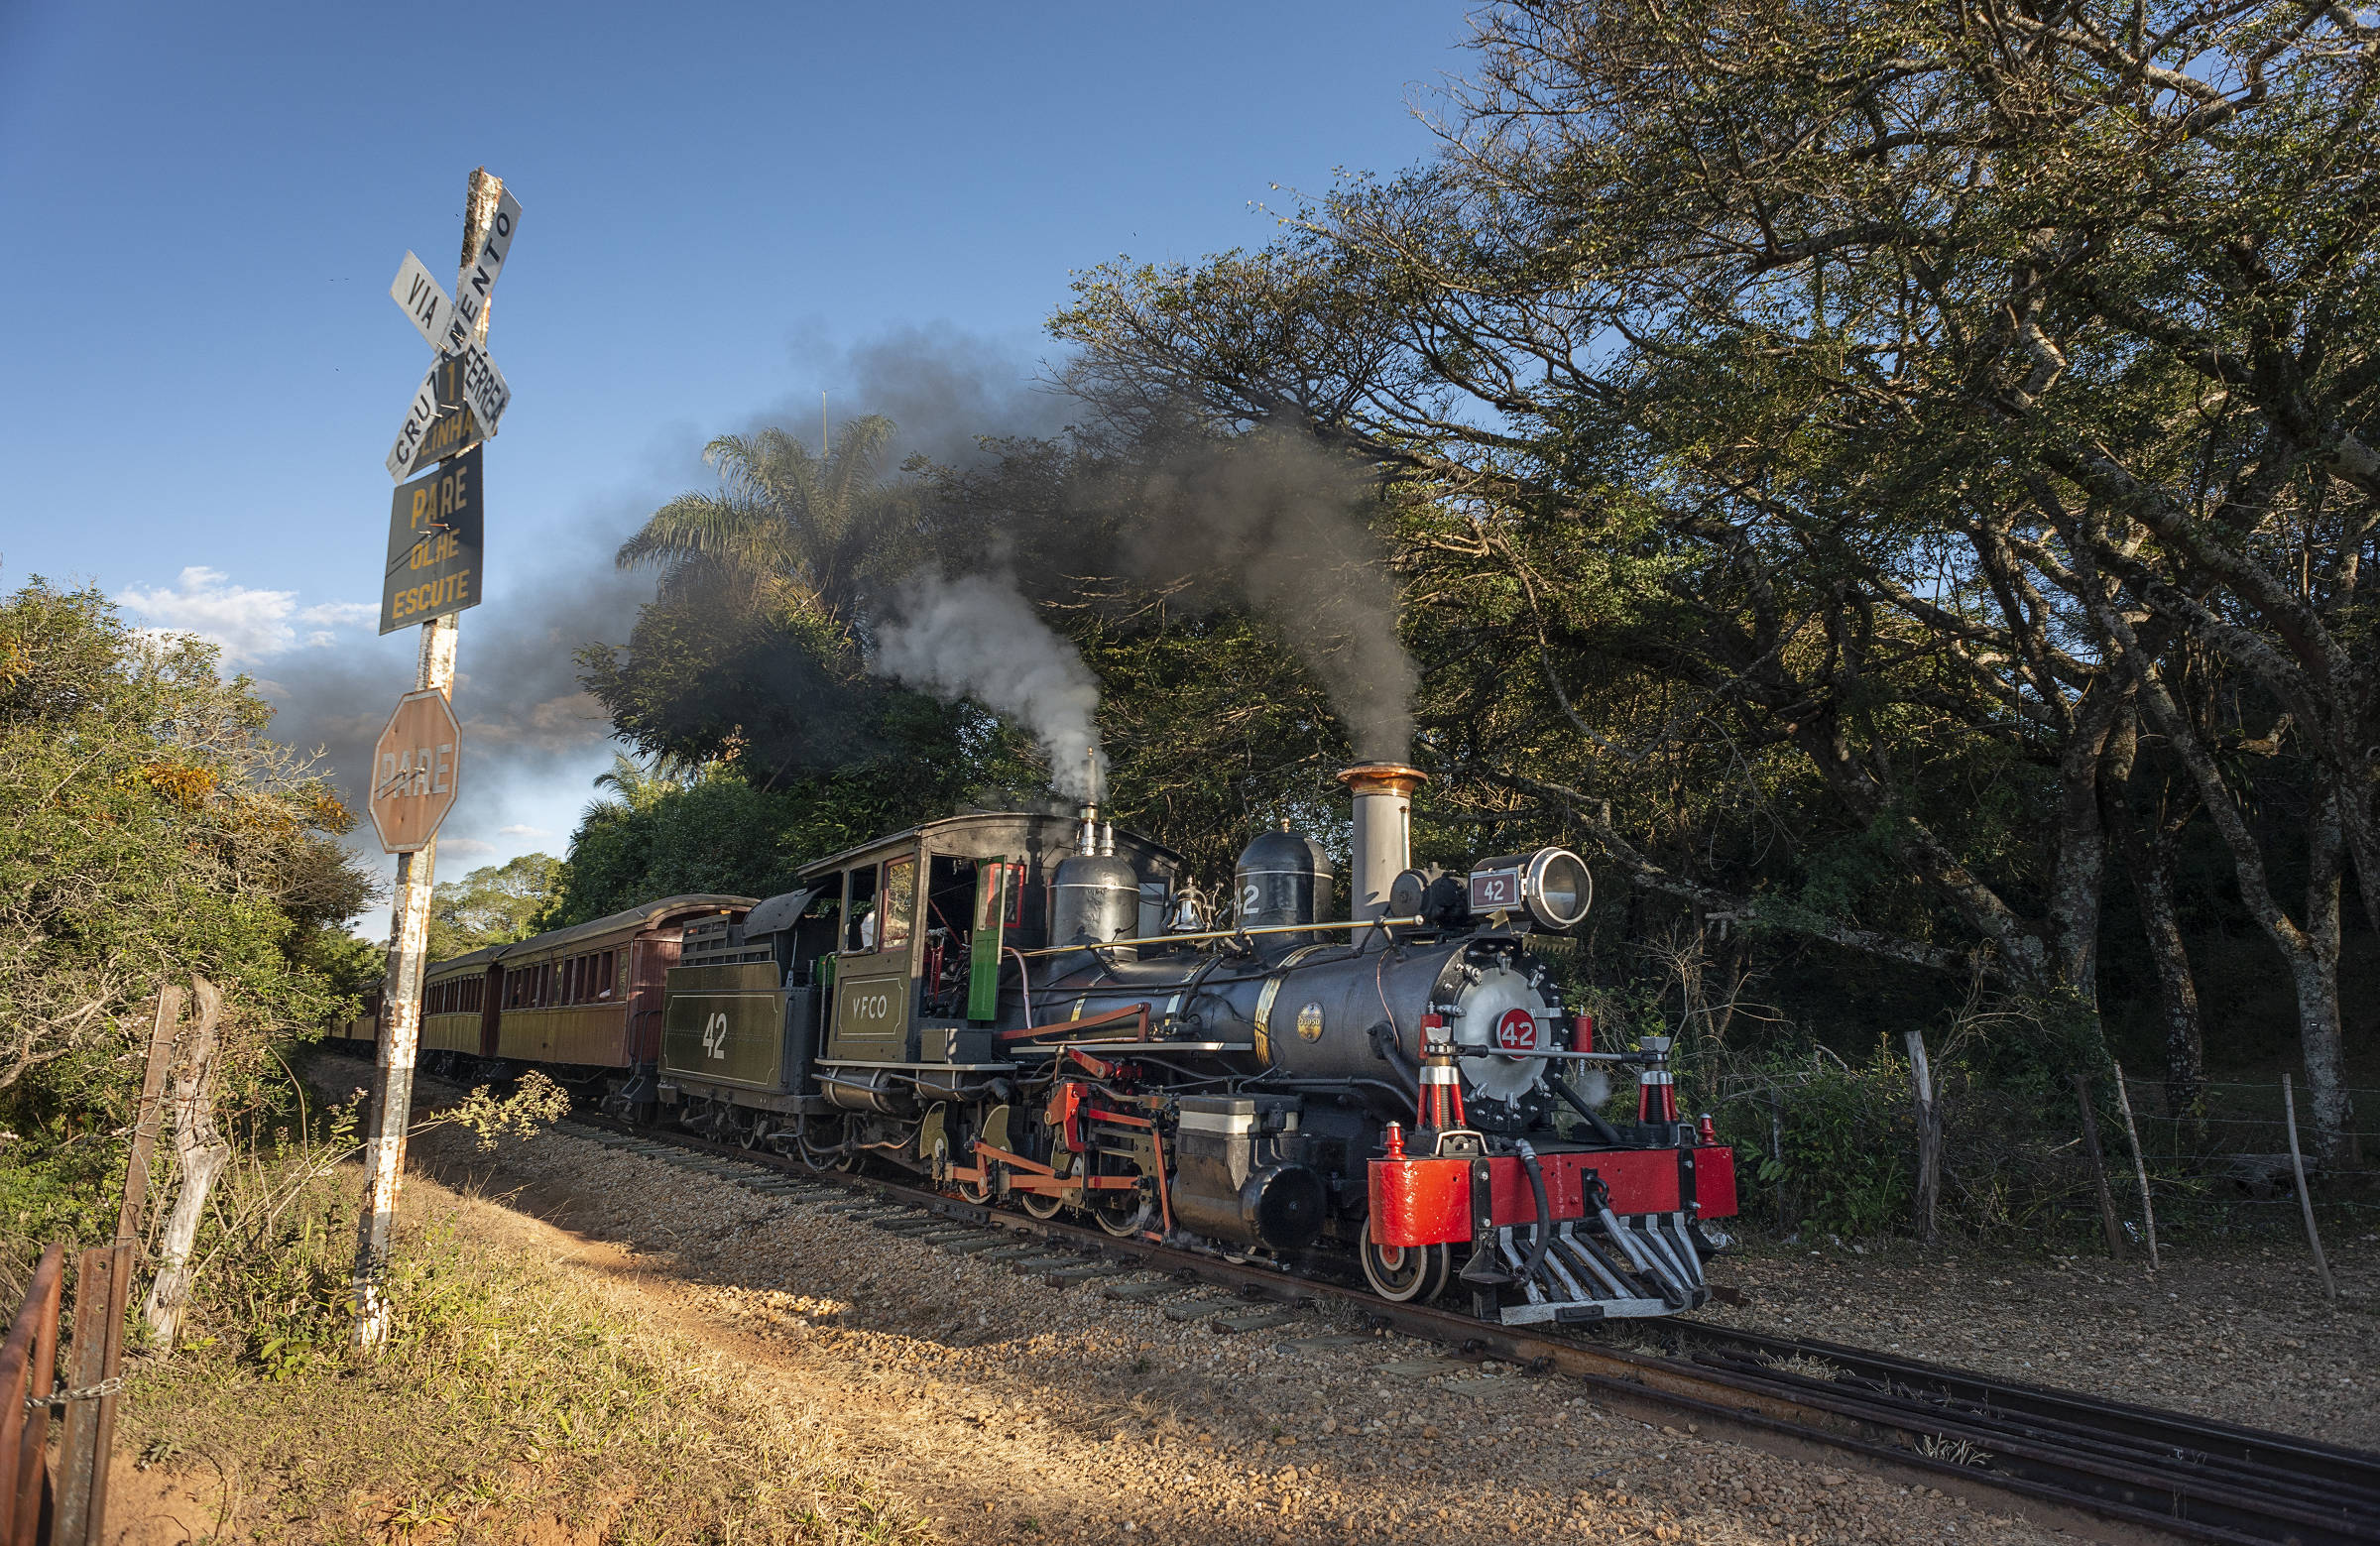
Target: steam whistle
point(1086, 841)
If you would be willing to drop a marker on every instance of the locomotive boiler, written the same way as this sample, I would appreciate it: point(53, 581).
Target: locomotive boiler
point(1044, 1013)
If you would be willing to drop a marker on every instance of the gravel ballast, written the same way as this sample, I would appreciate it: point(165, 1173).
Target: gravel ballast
point(2244, 1336)
point(1009, 1408)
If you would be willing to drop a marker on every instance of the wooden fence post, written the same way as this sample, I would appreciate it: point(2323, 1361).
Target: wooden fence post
point(2297, 1167)
point(97, 1354)
point(2098, 1167)
point(1776, 1147)
point(202, 1154)
point(2140, 1164)
point(1928, 1136)
point(27, 1363)
point(81, 1460)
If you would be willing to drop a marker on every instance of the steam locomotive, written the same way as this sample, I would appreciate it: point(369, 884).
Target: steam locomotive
point(1043, 1012)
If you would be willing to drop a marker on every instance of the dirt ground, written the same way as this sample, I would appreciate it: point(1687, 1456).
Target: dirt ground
point(2245, 1334)
point(1008, 1410)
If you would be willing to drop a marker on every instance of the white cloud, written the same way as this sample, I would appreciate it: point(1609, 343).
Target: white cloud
point(325, 615)
point(249, 624)
point(521, 831)
point(465, 845)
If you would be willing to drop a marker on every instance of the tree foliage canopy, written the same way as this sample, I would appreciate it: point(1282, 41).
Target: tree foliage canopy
point(494, 904)
point(1917, 424)
point(148, 830)
point(1894, 480)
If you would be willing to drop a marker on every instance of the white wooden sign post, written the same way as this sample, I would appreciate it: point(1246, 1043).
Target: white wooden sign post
point(456, 327)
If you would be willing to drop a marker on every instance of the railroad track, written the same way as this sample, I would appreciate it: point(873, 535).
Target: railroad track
point(2163, 1473)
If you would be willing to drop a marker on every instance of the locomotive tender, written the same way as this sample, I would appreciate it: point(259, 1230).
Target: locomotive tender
point(1033, 1011)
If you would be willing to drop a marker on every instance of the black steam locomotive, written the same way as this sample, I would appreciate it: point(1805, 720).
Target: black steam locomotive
point(1043, 1012)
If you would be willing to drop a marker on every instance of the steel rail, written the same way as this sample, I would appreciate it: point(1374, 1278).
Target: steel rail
point(2139, 1467)
point(2349, 1477)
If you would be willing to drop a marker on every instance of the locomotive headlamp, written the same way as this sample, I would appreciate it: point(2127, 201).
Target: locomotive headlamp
point(1551, 884)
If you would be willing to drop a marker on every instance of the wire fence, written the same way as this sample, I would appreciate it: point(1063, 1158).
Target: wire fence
point(1834, 1147)
point(2248, 1119)
point(2230, 1156)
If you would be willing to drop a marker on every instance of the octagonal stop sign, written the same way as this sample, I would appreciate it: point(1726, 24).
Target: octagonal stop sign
point(413, 772)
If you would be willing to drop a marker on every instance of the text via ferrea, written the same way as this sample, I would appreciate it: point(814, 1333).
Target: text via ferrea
point(435, 526)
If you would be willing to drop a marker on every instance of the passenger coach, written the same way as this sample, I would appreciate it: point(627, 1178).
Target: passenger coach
point(585, 1001)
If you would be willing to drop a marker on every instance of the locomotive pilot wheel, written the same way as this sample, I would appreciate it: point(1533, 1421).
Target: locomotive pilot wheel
point(1403, 1273)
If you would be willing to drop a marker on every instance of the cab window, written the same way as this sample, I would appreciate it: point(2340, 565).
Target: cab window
point(859, 908)
point(900, 903)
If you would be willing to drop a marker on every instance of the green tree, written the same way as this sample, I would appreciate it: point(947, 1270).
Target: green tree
point(1899, 391)
point(492, 905)
point(785, 530)
point(713, 830)
point(149, 831)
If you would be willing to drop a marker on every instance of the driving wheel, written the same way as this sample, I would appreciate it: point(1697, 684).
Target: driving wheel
point(1121, 1214)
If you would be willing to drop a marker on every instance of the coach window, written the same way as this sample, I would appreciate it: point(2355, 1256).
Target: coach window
point(859, 908)
point(901, 904)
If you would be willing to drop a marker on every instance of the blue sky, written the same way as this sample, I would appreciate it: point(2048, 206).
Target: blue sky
point(725, 210)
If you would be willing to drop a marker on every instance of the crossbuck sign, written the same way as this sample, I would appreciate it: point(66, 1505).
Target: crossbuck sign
point(451, 326)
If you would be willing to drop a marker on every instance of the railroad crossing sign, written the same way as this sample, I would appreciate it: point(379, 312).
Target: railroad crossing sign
point(413, 772)
point(459, 402)
point(435, 535)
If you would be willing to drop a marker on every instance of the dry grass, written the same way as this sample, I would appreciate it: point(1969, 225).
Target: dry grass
point(517, 1401)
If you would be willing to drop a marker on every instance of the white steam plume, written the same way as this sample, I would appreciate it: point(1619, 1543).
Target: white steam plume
point(973, 638)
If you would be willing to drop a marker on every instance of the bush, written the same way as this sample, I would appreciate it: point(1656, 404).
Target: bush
point(1829, 1145)
point(510, 1391)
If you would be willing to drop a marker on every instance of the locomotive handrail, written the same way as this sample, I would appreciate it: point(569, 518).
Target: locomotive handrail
point(1224, 933)
point(1138, 1013)
point(1462, 1050)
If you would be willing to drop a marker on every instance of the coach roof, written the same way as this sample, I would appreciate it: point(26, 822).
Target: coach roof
point(985, 834)
point(635, 921)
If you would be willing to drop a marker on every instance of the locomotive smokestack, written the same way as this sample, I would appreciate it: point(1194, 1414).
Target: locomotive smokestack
point(1384, 794)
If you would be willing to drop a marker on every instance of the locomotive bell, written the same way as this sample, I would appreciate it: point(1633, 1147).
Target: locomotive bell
point(1282, 877)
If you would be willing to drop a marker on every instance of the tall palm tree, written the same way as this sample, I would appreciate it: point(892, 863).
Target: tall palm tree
point(634, 786)
point(786, 529)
